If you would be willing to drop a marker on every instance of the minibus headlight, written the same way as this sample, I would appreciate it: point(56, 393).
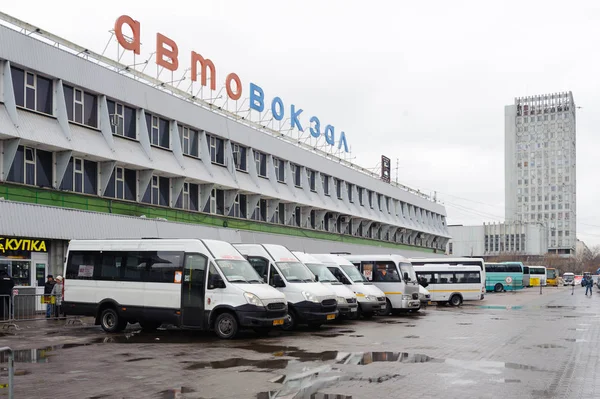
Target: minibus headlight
point(309, 297)
point(371, 298)
point(253, 299)
point(406, 297)
point(341, 299)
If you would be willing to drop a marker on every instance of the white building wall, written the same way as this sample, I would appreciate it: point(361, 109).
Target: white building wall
point(540, 166)
point(465, 241)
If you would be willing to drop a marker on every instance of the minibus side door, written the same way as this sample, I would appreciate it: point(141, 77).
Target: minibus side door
point(193, 290)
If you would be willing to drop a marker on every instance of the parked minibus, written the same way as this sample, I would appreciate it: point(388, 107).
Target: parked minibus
point(347, 304)
point(371, 300)
point(568, 279)
point(394, 275)
point(190, 283)
point(309, 302)
point(526, 282)
point(452, 284)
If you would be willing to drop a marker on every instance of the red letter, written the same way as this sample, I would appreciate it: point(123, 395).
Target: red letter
point(134, 44)
point(170, 62)
point(238, 83)
point(204, 64)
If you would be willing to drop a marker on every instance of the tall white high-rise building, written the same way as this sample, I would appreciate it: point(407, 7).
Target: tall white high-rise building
point(540, 166)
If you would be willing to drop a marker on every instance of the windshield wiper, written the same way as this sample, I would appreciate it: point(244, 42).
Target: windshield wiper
point(293, 280)
point(238, 280)
point(255, 281)
point(307, 280)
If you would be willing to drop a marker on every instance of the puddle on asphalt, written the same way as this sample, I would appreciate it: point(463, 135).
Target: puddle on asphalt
point(40, 355)
point(560, 307)
point(138, 359)
point(391, 322)
point(411, 336)
point(550, 346)
point(575, 340)
point(327, 335)
point(577, 329)
point(498, 318)
point(174, 393)
point(464, 324)
point(357, 336)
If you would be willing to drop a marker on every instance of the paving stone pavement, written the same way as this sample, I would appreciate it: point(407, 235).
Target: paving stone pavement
point(522, 345)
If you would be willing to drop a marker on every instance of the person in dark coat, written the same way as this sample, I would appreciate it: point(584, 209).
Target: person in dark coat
point(47, 296)
point(6, 286)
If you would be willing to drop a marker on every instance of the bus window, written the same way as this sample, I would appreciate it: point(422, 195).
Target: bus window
point(337, 273)
point(445, 277)
point(367, 269)
point(386, 272)
point(468, 277)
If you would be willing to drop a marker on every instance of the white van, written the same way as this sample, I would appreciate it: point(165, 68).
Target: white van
point(346, 299)
point(190, 283)
point(394, 275)
point(452, 284)
point(371, 300)
point(309, 302)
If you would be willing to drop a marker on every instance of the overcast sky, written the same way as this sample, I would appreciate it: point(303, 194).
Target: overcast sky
point(422, 82)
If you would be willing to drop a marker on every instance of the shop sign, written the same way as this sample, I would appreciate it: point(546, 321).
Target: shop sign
point(21, 246)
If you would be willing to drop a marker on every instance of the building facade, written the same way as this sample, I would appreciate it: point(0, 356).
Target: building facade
point(497, 239)
point(90, 152)
point(540, 166)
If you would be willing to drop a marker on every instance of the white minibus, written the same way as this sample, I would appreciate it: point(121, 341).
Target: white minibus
point(309, 302)
point(190, 283)
point(346, 299)
point(371, 300)
point(394, 275)
point(447, 260)
point(537, 276)
point(452, 284)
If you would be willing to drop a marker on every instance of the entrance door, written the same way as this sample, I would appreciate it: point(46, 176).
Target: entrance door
point(193, 290)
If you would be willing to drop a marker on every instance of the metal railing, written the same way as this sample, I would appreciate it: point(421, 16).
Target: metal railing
point(29, 307)
point(11, 370)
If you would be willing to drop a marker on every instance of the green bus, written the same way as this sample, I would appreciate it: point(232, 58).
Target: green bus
point(503, 276)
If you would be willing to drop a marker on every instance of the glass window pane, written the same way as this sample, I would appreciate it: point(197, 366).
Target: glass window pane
point(18, 80)
point(44, 95)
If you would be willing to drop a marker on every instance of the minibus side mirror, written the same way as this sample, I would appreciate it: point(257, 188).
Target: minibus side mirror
point(278, 281)
point(406, 278)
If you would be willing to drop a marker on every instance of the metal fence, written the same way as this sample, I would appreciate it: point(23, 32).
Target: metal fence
point(8, 354)
point(29, 307)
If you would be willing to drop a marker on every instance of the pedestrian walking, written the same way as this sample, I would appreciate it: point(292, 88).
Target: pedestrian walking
point(6, 286)
point(57, 293)
point(48, 298)
point(589, 284)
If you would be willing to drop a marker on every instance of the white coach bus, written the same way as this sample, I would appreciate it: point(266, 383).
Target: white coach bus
point(452, 284)
point(190, 283)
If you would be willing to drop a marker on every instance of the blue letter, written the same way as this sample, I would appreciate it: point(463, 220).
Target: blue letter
point(278, 115)
point(316, 131)
point(343, 140)
point(330, 134)
point(257, 98)
point(294, 117)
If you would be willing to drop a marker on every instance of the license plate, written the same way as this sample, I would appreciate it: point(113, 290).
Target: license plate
point(330, 316)
point(353, 310)
point(278, 322)
point(429, 302)
point(383, 306)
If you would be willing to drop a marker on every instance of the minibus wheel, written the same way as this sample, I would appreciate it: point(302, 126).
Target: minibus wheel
point(498, 287)
point(291, 322)
point(226, 326)
point(111, 322)
point(388, 308)
point(455, 300)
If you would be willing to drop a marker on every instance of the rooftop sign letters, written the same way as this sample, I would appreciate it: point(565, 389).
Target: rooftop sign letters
point(20, 246)
point(167, 56)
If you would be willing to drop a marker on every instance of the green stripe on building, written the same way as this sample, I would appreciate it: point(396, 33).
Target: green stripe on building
point(82, 202)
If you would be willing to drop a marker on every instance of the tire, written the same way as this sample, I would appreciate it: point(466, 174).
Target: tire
point(226, 326)
point(455, 300)
point(498, 287)
point(111, 322)
point(388, 308)
point(292, 321)
point(150, 325)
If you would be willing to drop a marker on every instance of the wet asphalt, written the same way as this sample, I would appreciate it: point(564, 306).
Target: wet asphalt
point(514, 345)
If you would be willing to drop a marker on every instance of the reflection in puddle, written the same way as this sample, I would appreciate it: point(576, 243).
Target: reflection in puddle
point(40, 355)
point(489, 367)
point(550, 346)
point(372, 357)
point(271, 364)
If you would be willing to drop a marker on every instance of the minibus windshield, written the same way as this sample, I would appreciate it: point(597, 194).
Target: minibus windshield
point(295, 272)
point(323, 273)
point(239, 271)
point(407, 268)
point(353, 273)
